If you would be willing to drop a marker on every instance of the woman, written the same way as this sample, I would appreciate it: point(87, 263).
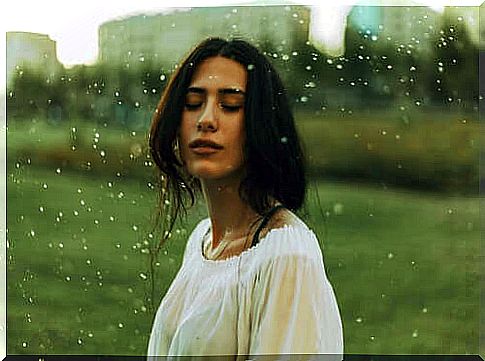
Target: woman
point(252, 279)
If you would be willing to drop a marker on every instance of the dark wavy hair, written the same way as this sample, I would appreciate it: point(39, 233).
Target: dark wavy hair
point(274, 161)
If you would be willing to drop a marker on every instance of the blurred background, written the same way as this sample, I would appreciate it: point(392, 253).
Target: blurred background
point(386, 102)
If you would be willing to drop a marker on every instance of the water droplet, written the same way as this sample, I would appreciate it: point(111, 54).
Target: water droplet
point(284, 140)
point(61, 245)
point(358, 320)
point(339, 66)
point(251, 66)
point(44, 185)
point(58, 170)
point(285, 57)
point(425, 310)
point(68, 278)
point(390, 255)
point(162, 77)
point(79, 341)
point(372, 338)
point(32, 232)
point(143, 276)
point(121, 195)
point(120, 325)
point(41, 209)
point(389, 67)
point(415, 333)
point(24, 344)
point(304, 99)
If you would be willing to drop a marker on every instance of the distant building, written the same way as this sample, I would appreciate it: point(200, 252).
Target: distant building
point(30, 50)
point(165, 38)
point(408, 27)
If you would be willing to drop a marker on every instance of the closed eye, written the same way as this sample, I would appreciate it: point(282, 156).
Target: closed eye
point(192, 106)
point(231, 108)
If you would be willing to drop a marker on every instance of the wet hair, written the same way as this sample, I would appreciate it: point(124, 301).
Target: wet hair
point(274, 161)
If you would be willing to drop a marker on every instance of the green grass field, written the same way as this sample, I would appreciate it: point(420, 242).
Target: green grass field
point(404, 265)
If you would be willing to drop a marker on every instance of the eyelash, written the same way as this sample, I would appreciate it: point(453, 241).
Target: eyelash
point(229, 108)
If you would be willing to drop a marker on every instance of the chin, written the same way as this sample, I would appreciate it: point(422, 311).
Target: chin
point(214, 173)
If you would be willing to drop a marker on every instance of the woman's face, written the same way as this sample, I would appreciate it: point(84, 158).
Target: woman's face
point(212, 126)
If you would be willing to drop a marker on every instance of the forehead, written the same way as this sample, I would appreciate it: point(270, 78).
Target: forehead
point(220, 72)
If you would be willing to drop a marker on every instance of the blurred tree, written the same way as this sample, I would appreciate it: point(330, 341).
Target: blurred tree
point(454, 65)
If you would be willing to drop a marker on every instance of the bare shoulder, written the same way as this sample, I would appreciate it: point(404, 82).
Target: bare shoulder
point(284, 217)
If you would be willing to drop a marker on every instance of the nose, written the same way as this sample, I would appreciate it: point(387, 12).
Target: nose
point(209, 118)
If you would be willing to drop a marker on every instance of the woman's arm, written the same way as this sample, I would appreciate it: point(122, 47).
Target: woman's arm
point(294, 309)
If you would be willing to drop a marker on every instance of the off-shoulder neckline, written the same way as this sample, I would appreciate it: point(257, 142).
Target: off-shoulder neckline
point(247, 252)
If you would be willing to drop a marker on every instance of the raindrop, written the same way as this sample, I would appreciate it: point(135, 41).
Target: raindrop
point(68, 278)
point(135, 227)
point(61, 245)
point(44, 185)
point(415, 333)
point(284, 140)
point(143, 276)
point(389, 67)
point(162, 77)
point(412, 68)
point(24, 344)
point(250, 66)
point(374, 37)
point(372, 338)
point(417, 102)
point(41, 209)
point(79, 341)
point(304, 99)
point(329, 61)
point(111, 218)
point(390, 255)
point(358, 320)
point(32, 232)
point(58, 170)
point(339, 66)
point(76, 213)
point(308, 67)
point(397, 136)
point(425, 310)
point(285, 57)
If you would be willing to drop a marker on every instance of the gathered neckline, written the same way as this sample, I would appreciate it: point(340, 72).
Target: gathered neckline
point(235, 258)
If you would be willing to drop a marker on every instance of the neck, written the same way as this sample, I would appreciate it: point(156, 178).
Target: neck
point(230, 216)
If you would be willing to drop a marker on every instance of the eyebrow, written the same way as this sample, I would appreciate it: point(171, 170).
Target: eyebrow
point(220, 91)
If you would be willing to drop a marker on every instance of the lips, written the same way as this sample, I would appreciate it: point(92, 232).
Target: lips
point(204, 146)
point(204, 143)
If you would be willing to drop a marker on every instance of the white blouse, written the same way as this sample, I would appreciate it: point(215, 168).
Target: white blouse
point(273, 298)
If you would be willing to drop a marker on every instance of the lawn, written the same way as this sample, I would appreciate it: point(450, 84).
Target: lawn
point(404, 265)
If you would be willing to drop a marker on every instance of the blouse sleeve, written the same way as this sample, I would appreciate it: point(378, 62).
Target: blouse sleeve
point(294, 309)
